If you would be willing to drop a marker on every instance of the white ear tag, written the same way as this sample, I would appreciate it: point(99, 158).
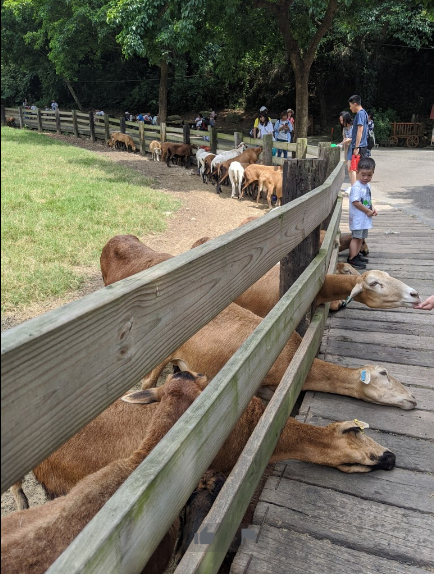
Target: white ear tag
point(365, 377)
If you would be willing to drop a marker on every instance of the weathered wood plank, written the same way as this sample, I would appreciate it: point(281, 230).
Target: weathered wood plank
point(117, 539)
point(375, 353)
point(282, 551)
point(415, 423)
point(406, 317)
point(395, 340)
point(78, 359)
point(408, 374)
point(232, 502)
point(395, 328)
point(401, 488)
point(367, 526)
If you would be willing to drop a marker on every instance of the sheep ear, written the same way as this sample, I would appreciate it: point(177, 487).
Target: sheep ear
point(357, 289)
point(355, 426)
point(141, 397)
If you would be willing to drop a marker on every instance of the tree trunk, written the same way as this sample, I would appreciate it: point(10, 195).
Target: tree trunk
point(73, 94)
point(162, 96)
point(301, 101)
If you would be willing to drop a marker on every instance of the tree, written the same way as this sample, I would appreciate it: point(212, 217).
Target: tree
point(159, 30)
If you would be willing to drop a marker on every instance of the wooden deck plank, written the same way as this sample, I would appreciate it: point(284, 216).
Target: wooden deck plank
point(281, 551)
point(367, 526)
point(402, 488)
point(416, 423)
point(373, 353)
point(395, 340)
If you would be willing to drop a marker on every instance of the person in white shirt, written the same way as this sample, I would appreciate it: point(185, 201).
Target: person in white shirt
point(265, 126)
point(361, 211)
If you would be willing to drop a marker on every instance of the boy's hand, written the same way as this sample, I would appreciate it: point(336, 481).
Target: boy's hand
point(374, 212)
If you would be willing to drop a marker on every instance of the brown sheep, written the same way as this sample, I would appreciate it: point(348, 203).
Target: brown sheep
point(155, 149)
point(124, 423)
point(172, 150)
point(118, 137)
point(31, 540)
point(222, 336)
point(10, 121)
point(272, 182)
point(252, 173)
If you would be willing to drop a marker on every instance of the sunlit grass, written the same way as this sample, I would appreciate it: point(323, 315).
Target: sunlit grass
point(60, 204)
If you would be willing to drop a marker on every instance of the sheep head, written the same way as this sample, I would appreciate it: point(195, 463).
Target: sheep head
point(353, 451)
point(378, 290)
point(377, 386)
point(156, 394)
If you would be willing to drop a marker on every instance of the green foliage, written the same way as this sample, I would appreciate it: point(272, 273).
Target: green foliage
point(382, 121)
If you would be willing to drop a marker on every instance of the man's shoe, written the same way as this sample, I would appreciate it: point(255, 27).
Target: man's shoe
point(356, 263)
point(360, 257)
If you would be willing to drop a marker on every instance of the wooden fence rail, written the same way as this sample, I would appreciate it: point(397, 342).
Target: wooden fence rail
point(100, 128)
point(125, 533)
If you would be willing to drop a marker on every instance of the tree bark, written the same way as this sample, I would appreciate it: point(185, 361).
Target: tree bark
point(301, 100)
point(73, 94)
point(162, 96)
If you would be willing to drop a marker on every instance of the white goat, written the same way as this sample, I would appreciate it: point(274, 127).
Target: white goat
point(225, 155)
point(236, 174)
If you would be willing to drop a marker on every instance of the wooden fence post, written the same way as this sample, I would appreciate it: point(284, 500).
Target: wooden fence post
point(58, 130)
point(238, 138)
point(267, 150)
point(39, 118)
point(3, 116)
point(122, 125)
point(299, 177)
point(21, 117)
point(186, 133)
point(213, 140)
point(75, 123)
point(106, 128)
point(91, 127)
point(301, 149)
point(331, 157)
point(163, 132)
point(142, 138)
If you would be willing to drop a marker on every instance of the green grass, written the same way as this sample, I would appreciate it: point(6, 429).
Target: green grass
point(60, 204)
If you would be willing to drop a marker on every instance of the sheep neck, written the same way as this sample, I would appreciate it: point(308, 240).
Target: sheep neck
point(336, 287)
point(329, 378)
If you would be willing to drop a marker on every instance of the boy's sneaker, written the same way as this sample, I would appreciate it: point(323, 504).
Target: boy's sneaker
point(361, 258)
point(356, 263)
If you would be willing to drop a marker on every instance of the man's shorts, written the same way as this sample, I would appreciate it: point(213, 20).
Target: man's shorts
point(359, 233)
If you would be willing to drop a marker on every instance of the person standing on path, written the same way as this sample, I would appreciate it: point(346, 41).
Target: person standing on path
point(361, 211)
point(359, 143)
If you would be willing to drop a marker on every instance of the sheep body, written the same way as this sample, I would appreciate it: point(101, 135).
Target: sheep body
point(155, 149)
point(236, 174)
point(118, 137)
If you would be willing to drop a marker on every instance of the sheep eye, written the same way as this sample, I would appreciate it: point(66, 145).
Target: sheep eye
point(373, 284)
point(383, 373)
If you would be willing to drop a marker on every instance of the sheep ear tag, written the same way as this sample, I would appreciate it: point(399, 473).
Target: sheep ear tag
point(362, 426)
point(365, 377)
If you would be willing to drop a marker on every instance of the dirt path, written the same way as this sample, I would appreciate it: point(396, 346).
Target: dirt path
point(203, 213)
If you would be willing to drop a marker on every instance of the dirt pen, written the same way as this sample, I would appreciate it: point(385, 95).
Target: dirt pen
point(80, 358)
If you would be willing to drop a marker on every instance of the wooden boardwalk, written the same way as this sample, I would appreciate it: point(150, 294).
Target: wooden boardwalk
point(316, 520)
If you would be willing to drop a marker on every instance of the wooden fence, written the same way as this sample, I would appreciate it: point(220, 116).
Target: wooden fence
point(101, 128)
point(62, 369)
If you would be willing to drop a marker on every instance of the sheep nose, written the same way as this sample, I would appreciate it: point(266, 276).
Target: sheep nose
point(387, 460)
point(414, 294)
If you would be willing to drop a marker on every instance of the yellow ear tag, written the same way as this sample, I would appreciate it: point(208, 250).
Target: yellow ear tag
point(361, 424)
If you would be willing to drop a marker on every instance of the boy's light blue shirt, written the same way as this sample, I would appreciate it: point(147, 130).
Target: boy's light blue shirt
point(359, 219)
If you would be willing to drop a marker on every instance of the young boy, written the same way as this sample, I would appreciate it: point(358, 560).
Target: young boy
point(361, 211)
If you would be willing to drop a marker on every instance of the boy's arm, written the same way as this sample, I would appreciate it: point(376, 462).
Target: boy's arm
point(359, 205)
point(358, 137)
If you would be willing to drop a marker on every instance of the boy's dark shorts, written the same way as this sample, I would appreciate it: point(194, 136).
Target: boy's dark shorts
point(359, 233)
point(363, 152)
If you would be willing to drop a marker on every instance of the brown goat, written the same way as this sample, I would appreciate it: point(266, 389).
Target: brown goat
point(10, 121)
point(31, 540)
point(272, 182)
point(118, 137)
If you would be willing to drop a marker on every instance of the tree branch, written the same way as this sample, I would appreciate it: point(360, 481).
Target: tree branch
point(323, 28)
